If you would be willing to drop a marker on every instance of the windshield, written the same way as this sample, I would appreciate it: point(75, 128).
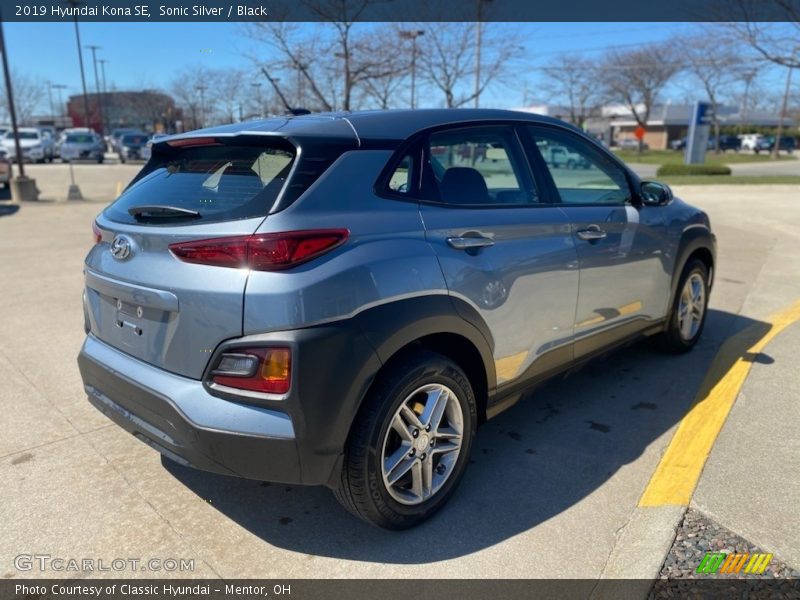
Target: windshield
point(134, 139)
point(23, 135)
point(80, 139)
point(222, 183)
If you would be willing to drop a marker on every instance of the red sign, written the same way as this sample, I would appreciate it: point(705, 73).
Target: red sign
point(639, 133)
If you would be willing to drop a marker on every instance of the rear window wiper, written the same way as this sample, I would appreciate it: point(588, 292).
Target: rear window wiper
point(162, 212)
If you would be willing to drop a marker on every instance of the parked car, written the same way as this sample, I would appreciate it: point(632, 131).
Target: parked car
point(6, 170)
point(82, 146)
point(130, 146)
point(146, 150)
point(679, 144)
point(50, 131)
point(631, 144)
point(116, 136)
point(750, 140)
point(559, 156)
point(328, 301)
point(35, 145)
point(726, 142)
point(767, 144)
point(63, 136)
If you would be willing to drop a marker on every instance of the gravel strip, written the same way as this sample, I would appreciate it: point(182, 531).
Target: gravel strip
point(696, 536)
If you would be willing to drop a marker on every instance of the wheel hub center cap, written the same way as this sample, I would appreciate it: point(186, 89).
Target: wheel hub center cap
point(421, 443)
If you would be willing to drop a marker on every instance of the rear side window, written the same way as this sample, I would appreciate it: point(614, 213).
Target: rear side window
point(480, 165)
point(221, 182)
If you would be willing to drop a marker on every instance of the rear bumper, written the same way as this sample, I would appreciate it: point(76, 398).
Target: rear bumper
point(179, 418)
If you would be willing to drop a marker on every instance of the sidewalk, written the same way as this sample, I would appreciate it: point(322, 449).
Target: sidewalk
point(750, 484)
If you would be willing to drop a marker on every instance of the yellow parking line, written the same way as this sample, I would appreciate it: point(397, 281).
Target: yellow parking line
point(119, 189)
point(676, 476)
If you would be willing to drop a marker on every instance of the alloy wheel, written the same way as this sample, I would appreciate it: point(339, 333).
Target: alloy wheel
point(692, 306)
point(423, 443)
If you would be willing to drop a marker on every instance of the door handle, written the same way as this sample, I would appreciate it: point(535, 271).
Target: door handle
point(591, 233)
point(470, 243)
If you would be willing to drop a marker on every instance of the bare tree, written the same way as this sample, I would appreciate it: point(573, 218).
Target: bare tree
point(351, 52)
point(778, 43)
point(29, 92)
point(447, 59)
point(230, 89)
point(189, 88)
point(573, 79)
point(775, 41)
point(636, 78)
point(386, 88)
point(715, 66)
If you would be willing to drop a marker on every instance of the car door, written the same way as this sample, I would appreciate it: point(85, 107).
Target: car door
point(505, 252)
point(624, 285)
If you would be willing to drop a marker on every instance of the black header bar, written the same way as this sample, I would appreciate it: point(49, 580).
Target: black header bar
point(400, 10)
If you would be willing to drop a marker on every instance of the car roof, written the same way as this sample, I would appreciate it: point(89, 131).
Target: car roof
point(368, 127)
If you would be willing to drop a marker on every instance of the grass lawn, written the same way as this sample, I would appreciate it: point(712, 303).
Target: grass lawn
point(729, 179)
point(663, 157)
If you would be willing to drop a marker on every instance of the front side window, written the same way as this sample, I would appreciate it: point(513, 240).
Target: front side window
point(476, 165)
point(581, 174)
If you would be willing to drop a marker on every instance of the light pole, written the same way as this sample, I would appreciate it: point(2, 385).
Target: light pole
point(257, 85)
point(202, 89)
point(61, 115)
point(777, 149)
point(94, 50)
point(50, 99)
point(12, 111)
point(748, 77)
point(74, 4)
point(478, 44)
point(413, 34)
point(106, 111)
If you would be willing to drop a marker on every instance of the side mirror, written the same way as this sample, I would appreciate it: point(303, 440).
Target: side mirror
point(653, 193)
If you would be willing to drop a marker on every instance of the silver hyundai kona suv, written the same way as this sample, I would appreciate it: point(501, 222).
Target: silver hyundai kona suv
point(341, 299)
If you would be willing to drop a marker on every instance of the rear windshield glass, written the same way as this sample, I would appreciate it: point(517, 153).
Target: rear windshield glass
point(80, 138)
point(222, 183)
point(134, 139)
point(24, 135)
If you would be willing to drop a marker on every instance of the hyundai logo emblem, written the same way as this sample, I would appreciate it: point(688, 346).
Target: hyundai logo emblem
point(121, 247)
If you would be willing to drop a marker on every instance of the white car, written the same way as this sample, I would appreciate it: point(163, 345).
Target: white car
point(147, 149)
point(750, 140)
point(35, 145)
point(5, 169)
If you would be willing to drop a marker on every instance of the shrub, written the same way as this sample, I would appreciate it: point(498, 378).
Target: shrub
point(679, 169)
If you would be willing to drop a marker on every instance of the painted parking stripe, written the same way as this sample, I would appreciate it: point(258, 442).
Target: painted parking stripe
point(676, 476)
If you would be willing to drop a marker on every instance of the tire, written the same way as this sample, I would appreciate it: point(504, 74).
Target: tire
point(570, 164)
point(413, 380)
point(678, 337)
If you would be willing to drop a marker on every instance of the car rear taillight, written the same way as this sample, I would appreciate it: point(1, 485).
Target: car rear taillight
point(98, 235)
point(267, 370)
point(262, 252)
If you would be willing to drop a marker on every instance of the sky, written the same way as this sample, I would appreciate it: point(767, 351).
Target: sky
point(147, 55)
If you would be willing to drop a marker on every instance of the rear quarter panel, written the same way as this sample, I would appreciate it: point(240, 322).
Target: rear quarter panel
point(385, 258)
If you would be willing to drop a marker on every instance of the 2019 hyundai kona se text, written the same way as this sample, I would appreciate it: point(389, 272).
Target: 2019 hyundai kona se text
point(342, 299)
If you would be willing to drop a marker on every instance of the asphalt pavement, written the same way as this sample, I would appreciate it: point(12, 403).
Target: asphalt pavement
point(554, 484)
